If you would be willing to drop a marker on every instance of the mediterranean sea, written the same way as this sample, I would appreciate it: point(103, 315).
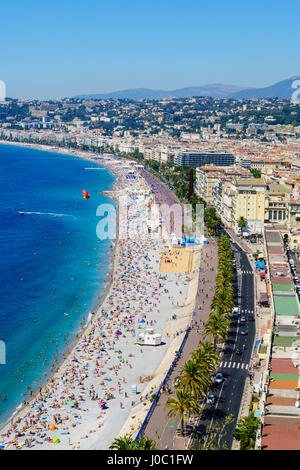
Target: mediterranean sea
point(53, 268)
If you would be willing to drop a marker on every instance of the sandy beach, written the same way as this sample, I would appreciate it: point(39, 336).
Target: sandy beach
point(89, 399)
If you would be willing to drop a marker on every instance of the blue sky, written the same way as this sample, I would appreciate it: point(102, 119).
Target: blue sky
point(62, 48)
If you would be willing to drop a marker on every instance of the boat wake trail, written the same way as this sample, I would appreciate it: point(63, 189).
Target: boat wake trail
point(53, 214)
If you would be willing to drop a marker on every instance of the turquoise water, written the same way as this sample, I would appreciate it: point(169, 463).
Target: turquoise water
point(53, 268)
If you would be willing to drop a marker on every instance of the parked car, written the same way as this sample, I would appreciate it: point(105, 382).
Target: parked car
point(219, 378)
point(235, 312)
point(210, 399)
point(251, 317)
point(243, 332)
point(243, 318)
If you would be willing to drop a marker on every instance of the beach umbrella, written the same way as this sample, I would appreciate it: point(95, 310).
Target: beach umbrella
point(55, 440)
point(52, 427)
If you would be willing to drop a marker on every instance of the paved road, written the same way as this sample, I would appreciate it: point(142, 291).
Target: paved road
point(164, 196)
point(295, 272)
point(234, 367)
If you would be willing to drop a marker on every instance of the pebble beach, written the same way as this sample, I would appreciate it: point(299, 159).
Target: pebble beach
point(91, 395)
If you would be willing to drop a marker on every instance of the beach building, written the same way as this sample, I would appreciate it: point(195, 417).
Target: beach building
point(149, 338)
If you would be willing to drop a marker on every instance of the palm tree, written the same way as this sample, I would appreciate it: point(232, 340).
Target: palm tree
point(222, 301)
point(145, 443)
point(206, 355)
point(242, 223)
point(180, 405)
point(194, 379)
point(128, 443)
point(245, 432)
point(226, 273)
point(216, 327)
point(123, 443)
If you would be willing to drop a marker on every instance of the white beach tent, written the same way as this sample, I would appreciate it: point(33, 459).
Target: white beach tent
point(202, 240)
point(174, 239)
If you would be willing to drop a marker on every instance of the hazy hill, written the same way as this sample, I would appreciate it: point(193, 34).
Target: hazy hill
point(282, 90)
point(215, 91)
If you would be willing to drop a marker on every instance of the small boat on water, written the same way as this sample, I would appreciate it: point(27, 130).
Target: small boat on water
point(21, 213)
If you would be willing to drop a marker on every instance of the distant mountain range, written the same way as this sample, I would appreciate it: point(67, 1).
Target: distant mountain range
point(215, 91)
point(282, 90)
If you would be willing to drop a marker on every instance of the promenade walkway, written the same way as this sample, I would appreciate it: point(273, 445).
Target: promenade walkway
point(159, 427)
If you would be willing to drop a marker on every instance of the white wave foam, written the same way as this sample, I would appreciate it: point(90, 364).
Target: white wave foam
point(88, 319)
point(53, 214)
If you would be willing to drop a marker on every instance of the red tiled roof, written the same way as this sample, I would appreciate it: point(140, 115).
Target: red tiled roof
point(280, 439)
point(283, 366)
point(280, 401)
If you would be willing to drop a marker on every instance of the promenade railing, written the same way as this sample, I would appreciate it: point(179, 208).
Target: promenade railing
point(170, 370)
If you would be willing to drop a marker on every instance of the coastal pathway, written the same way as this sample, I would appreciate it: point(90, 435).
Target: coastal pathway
point(159, 427)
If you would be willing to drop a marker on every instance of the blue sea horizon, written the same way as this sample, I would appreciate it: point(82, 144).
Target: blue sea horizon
point(53, 268)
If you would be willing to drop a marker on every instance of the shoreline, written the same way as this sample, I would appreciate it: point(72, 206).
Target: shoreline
point(20, 408)
point(97, 311)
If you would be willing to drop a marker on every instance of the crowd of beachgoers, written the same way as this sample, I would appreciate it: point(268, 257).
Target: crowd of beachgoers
point(87, 400)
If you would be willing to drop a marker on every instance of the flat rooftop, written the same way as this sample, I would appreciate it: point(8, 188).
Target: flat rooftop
point(272, 237)
point(282, 286)
point(286, 305)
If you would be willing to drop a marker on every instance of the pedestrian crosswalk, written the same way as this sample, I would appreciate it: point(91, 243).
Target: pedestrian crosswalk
point(234, 365)
point(247, 272)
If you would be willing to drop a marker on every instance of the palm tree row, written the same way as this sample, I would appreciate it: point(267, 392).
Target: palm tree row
point(193, 383)
point(196, 375)
point(217, 326)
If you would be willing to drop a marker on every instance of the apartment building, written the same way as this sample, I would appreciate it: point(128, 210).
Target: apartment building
point(195, 159)
point(264, 164)
point(208, 177)
point(245, 198)
point(293, 212)
point(275, 203)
